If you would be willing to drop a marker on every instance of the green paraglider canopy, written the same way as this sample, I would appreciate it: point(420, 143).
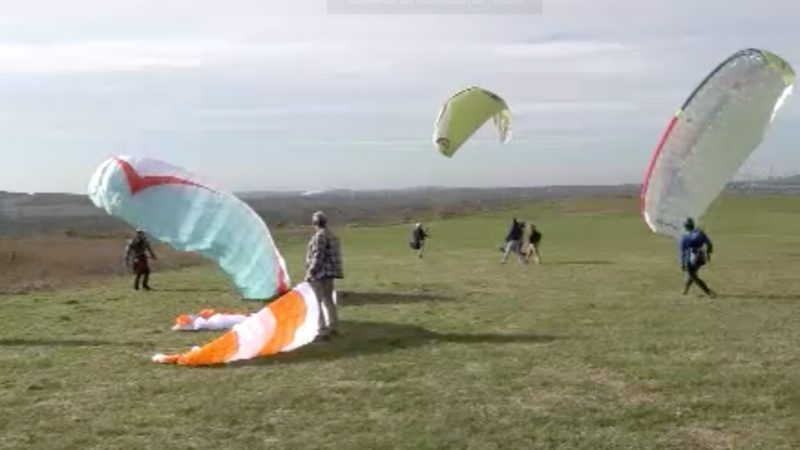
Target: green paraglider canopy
point(464, 113)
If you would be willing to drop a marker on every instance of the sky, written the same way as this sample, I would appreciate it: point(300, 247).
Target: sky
point(283, 95)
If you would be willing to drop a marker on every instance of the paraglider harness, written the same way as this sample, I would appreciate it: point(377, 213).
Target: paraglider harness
point(417, 236)
point(136, 254)
point(697, 256)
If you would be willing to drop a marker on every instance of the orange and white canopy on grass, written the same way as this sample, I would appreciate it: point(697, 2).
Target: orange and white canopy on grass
point(287, 323)
point(209, 319)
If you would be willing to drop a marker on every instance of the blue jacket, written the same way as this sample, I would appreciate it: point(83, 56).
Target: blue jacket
point(516, 232)
point(692, 242)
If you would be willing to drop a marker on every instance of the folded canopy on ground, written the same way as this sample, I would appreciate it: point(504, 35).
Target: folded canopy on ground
point(287, 323)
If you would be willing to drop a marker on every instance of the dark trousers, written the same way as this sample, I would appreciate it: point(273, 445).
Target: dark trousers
point(141, 270)
point(692, 277)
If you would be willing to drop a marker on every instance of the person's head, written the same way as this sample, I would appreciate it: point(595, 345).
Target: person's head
point(418, 225)
point(688, 224)
point(319, 220)
point(533, 227)
point(139, 233)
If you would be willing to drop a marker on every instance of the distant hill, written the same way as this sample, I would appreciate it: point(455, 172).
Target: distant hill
point(782, 185)
point(793, 180)
point(22, 214)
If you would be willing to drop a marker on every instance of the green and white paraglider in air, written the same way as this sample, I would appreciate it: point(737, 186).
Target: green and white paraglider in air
point(464, 113)
point(706, 142)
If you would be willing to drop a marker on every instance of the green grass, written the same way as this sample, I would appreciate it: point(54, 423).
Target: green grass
point(594, 349)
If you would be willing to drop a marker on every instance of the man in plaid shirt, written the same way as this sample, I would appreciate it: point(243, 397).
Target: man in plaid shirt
point(323, 265)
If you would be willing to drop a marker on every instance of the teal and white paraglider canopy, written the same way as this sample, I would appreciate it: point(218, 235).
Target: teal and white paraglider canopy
point(178, 208)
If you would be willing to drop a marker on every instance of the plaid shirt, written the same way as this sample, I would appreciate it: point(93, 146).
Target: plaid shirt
point(323, 258)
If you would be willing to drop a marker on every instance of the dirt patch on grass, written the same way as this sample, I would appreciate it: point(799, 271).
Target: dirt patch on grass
point(625, 392)
point(703, 438)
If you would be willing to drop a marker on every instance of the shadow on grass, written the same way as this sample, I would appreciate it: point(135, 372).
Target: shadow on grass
point(756, 296)
point(368, 338)
point(69, 343)
point(597, 262)
point(349, 298)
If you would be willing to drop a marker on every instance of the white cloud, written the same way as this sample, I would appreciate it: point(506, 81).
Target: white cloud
point(565, 49)
point(95, 57)
point(279, 80)
point(305, 110)
point(550, 107)
point(288, 59)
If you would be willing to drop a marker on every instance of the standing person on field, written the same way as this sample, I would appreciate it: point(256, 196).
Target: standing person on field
point(323, 266)
point(136, 252)
point(418, 236)
point(695, 251)
point(514, 240)
point(534, 240)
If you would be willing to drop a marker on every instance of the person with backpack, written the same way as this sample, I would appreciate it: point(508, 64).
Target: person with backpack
point(418, 237)
point(136, 254)
point(695, 252)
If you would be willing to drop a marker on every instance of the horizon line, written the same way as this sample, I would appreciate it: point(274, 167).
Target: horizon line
point(408, 188)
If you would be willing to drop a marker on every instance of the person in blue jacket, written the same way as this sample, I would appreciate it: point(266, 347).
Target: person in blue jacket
point(695, 252)
point(514, 241)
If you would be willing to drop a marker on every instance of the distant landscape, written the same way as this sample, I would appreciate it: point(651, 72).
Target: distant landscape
point(75, 215)
point(49, 240)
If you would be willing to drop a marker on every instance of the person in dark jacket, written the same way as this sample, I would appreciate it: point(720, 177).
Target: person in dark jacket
point(514, 240)
point(695, 252)
point(137, 251)
point(418, 236)
point(534, 239)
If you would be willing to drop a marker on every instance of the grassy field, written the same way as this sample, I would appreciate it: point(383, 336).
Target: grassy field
point(596, 348)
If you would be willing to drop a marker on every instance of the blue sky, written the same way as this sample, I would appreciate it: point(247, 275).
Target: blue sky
point(277, 94)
